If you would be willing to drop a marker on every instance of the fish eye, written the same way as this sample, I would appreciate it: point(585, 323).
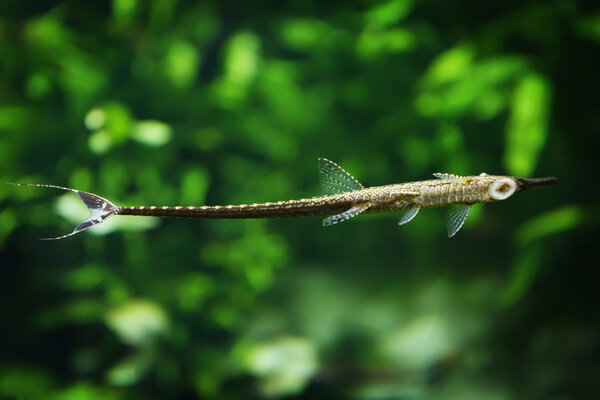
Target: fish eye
point(502, 189)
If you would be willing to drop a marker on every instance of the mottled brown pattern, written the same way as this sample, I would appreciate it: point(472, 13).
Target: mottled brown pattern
point(403, 196)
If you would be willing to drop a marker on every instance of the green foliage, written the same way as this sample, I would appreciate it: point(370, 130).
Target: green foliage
point(527, 129)
point(190, 103)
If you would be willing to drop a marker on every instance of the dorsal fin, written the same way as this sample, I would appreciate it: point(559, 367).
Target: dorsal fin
point(334, 179)
point(452, 177)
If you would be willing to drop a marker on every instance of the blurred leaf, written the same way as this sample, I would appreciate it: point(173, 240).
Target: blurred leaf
point(450, 65)
point(414, 150)
point(464, 388)
point(137, 322)
point(111, 125)
point(115, 176)
point(73, 311)
point(8, 222)
point(80, 74)
point(48, 33)
point(193, 290)
point(208, 139)
point(527, 130)
point(419, 343)
point(522, 274)
point(13, 117)
point(552, 222)
point(207, 384)
point(241, 67)
point(80, 390)
point(264, 135)
point(124, 11)
point(182, 63)
point(85, 278)
point(71, 207)
point(450, 138)
point(100, 141)
point(284, 365)
point(194, 186)
point(132, 369)
point(388, 13)
point(254, 256)
point(38, 86)
point(161, 13)
point(119, 121)
point(372, 44)
point(307, 34)
point(528, 237)
point(226, 317)
point(24, 382)
point(152, 133)
point(95, 118)
point(456, 85)
point(81, 178)
point(242, 61)
point(589, 27)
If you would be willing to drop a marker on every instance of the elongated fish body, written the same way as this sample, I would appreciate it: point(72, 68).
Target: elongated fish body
point(344, 197)
point(397, 197)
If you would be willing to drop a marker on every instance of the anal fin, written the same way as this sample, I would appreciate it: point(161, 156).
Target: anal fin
point(352, 212)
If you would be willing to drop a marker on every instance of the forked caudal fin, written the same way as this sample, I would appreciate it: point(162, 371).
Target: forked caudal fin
point(100, 209)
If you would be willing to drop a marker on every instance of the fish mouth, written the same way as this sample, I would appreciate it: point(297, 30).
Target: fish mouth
point(532, 183)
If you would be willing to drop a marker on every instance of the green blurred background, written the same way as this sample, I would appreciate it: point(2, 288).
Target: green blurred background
point(191, 103)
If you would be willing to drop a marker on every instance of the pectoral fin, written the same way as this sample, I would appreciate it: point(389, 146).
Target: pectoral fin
point(354, 211)
point(457, 215)
point(409, 215)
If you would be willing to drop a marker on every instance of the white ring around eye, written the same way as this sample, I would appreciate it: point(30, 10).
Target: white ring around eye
point(502, 189)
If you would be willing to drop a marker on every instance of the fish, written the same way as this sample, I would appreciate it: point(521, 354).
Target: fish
point(343, 198)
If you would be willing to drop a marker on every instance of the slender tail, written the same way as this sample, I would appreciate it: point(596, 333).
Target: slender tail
point(100, 209)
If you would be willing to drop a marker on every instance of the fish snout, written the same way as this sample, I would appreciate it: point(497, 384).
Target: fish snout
point(532, 183)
